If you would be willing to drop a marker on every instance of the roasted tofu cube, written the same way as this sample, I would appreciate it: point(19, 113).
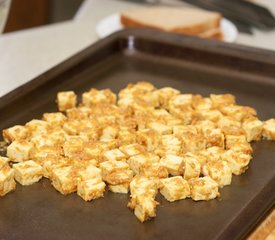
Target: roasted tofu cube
point(227, 121)
point(214, 137)
point(253, 128)
point(37, 127)
point(169, 145)
point(238, 144)
point(173, 163)
point(90, 189)
point(114, 155)
point(180, 130)
point(4, 161)
point(19, 150)
point(42, 141)
point(7, 183)
point(203, 188)
point(220, 100)
point(139, 87)
point(66, 100)
point(165, 94)
point(148, 138)
point(132, 149)
point(154, 170)
point(181, 100)
point(231, 140)
point(73, 145)
point(126, 137)
point(184, 113)
point(211, 115)
point(193, 142)
point(174, 188)
point(191, 167)
point(160, 128)
point(78, 113)
point(119, 188)
point(64, 180)
point(52, 163)
point(95, 96)
point(238, 112)
point(55, 119)
point(136, 162)
point(90, 172)
point(28, 172)
point(237, 161)
point(143, 186)
point(116, 172)
point(144, 207)
point(202, 104)
point(219, 171)
point(269, 129)
point(109, 132)
point(16, 132)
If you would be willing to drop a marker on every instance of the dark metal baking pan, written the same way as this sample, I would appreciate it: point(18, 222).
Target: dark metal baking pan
point(187, 63)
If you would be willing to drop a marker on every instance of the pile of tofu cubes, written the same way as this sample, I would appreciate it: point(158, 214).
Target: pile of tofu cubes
point(147, 140)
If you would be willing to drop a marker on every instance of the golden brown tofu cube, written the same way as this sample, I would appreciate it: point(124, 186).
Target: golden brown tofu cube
point(202, 104)
point(19, 150)
point(116, 172)
point(193, 142)
point(203, 188)
point(132, 149)
point(7, 183)
point(174, 188)
point(238, 112)
point(214, 137)
point(90, 172)
point(126, 137)
point(161, 129)
point(237, 161)
point(191, 167)
point(110, 132)
point(95, 96)
point(16, 132)
point(173, 163)
point(114, 155)
point(28, 172)
point(66, 100)
point(143, 186)
point(148, 138)
point(4, 161)
point(165, 94)
point(136, 162)
point(253, 128)
point(219, 171)
point(55, 119)
point(90, 189)
point(119, 188)
point(154, 170)
point(64, 180)
point(219, 100)
point(269, 129)
point(144, 207)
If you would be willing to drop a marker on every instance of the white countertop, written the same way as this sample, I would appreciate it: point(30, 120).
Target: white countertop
point(28, 53)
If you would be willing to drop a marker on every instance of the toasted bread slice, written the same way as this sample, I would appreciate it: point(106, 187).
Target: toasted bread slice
point(188, 21)
point(215, 33)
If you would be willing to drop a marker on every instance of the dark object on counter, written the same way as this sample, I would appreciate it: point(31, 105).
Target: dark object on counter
point(241, 11)
point(189, 64)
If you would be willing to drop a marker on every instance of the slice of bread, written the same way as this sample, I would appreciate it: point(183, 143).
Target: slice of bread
point(178, 20)
point(215, 33)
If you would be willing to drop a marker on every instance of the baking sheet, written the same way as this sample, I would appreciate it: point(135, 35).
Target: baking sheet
point(186, 63)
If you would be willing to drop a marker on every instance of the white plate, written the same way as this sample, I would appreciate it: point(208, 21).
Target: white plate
point(112, 24)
